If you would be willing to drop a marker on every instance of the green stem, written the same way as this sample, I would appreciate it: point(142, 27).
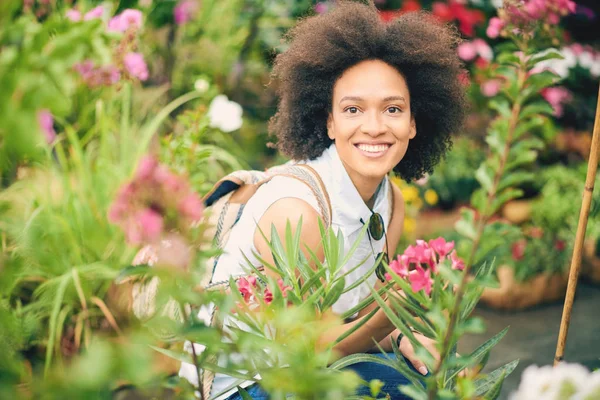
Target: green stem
point(481, 223)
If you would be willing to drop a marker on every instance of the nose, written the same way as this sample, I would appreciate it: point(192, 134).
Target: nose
point(373, 124)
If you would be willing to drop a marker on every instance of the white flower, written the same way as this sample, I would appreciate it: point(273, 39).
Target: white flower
point(547, 382)
point(586, 59)
point(224, 114)
point(201, 85)
point(591, 391)
point(497, 3)
point(570, 57)
point(595, 70)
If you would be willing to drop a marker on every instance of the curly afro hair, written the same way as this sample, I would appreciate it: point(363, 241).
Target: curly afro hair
point(322, 47)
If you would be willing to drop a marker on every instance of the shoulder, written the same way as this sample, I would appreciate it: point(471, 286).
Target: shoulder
point(398, 203)
point(397, 222)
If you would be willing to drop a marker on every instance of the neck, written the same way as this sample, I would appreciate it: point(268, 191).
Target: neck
point(366, 187)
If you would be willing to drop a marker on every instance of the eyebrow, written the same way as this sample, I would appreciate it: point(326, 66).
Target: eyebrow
point(357, 98)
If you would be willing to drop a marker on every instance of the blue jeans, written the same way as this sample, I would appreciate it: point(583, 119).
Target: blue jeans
point(366, 370)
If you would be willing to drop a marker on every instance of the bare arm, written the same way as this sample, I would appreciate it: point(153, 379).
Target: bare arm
point(292, 209)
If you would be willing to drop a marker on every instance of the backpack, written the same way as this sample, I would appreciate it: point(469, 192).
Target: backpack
point(224, 206)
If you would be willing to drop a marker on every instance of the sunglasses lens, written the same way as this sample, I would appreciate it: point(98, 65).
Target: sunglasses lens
point(376, 226)
point(380, 270)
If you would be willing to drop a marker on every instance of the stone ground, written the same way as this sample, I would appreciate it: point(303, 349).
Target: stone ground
point(533, 335)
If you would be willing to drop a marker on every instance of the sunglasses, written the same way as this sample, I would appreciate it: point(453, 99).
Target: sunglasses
point(376, 230)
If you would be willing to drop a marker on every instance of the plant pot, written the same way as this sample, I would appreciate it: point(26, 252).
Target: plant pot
point(517, 211)
point(513, 295)
point(590, 264)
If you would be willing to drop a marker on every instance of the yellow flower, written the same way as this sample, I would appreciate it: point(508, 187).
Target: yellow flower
point(418, 203)
point(431, 197)
point(410, 225)
point(410, 194)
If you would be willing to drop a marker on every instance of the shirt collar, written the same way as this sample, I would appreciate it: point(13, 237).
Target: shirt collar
point(347, 205)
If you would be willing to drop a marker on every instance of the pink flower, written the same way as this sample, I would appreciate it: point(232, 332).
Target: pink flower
point(46, 123)
point(146, 168)
point(151, 224)
point(184, 11)
point(268, 296)
point(94, 13)
point(483, 49)
point(491, 88)
point(457, 262)
point(192, 207)
point(420, 254)
point(284, 289)
point(518, 249)
point(321, 7)
point(495, 27)
point(246, 287)
point(557, 97)
point(136, 66)
point(400, 266)
point(441, 247)
point(73, 15)
point(129, 18)
point(420, 279)
point(117, 211)
point(466, 51)
point(560, 245)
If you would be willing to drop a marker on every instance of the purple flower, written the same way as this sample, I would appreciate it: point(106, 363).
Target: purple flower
point(184, 11)
point(136, 66)
point(46, 123)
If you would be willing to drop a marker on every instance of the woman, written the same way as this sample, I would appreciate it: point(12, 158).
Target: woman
point(359, 99)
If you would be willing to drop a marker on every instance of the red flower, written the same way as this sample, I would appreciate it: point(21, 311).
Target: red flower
point(560, 245)
point(518, 249)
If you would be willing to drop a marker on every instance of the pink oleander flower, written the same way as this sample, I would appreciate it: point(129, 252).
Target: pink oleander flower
point(284, 289)
point(441, 247)
point(483, 49)
point(268, 296)
point(73, 15)
point(491, 88)
point(400, 266)
point(129, 18)
point(184, 11)
point(191, 206)
point(105, 75)
point(94, 13)
point(151, 225)
point(246, 287)
point(457, 262)
point(46, 123)
point(420, 254)
point(136, 66)
point(494, 28)
point(420, 279)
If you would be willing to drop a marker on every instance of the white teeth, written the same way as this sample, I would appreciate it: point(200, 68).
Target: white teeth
point(370, 148)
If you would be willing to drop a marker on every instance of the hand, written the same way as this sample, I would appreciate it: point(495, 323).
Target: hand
point(407, 349)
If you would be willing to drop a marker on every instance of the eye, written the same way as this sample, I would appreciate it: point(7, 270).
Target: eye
point(394, 110)
point(351, 110)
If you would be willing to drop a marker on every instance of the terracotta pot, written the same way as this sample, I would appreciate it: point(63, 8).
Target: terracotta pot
point(590, 264)
point(513, 295)
point(517, 211)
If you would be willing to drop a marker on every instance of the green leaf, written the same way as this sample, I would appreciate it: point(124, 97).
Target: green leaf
point(508, 59)
point(334, 293)
point(501, 105)
point(515, 179)
point(523, 158)
point(485, 384)
point(478, 200)
point(494, 392)
point(550, 54)
point(503, 198)
point(471, 325)
point(360, 323)
point(414, 392)
point(532, 143)
point(485, 177)
point(495, 140)
point(243, 393)
point(527, 126)
point(465, 226)
point(537, 108)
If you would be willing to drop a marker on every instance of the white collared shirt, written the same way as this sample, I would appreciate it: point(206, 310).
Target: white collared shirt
point(348, 209)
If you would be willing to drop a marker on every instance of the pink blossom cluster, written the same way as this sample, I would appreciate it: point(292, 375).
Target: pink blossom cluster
point(456, 10)
point(96, 76)
point(477, 50)
point(248, 289)
point(557, 97)
point(419, 263)
point(128, 19)
point(184, 11)
point(520, 13)
point(154, 201)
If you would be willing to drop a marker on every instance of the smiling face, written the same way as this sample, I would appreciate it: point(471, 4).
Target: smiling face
point(370, 120)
